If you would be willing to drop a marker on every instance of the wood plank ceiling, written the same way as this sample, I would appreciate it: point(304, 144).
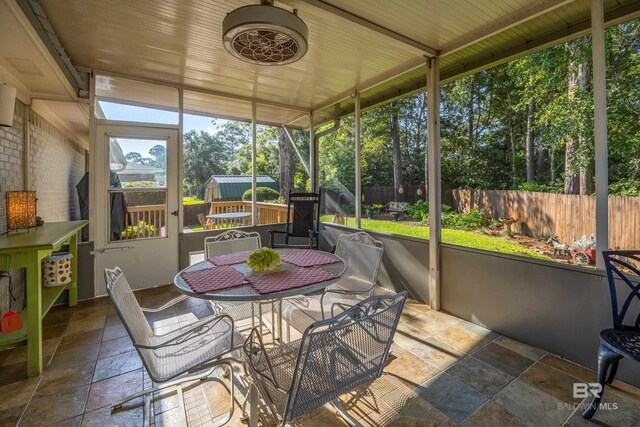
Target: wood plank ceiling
point(179, 43)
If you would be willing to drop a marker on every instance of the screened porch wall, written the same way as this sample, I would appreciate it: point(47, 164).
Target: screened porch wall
point(558, 308)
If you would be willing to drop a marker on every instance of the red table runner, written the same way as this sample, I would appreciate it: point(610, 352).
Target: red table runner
point(289, 279)
point(213, 279)
point(309, 258)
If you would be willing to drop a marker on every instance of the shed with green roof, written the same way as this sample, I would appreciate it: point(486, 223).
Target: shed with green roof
point(232, 187)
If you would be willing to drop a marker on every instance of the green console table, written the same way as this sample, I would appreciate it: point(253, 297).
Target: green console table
point(27, 250)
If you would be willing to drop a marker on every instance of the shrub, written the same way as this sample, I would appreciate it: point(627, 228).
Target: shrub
point(145, 198)
point(140, 184)
point(625, 187)
point(540, 188)
point(200, 190)
point(348, 208)
point(377, 208)
point(263, 194)
point(467, 221)
point(419, 211)
point(138, 231)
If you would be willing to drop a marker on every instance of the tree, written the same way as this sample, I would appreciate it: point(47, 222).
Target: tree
point(397, 156)
point(286, 160)
point(204, 155)
point(134, 157)
point(159, 154)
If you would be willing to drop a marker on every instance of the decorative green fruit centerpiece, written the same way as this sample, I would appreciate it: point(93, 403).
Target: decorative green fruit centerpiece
point(264, 259)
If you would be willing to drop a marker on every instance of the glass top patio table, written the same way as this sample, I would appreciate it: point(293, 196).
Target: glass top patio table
point(230, 215)
point(246, 292)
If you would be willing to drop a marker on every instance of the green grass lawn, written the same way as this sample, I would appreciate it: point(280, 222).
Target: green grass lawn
point(192, 201)
point(469, 239)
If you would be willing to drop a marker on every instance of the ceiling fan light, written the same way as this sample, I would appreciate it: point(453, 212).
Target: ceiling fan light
point(265, 35)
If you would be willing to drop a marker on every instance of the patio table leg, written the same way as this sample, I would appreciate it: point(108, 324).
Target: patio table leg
point(280, 320)
point(253, 406)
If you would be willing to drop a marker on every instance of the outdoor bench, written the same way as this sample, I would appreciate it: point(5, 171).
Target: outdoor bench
point(396, 208)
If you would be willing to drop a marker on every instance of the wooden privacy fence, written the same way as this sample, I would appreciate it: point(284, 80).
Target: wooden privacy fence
point(545, 214)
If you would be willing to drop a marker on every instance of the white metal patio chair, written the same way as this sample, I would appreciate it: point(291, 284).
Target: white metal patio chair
point(362, 255)
point(334, 356)
point(197, 347)
point(225, 243)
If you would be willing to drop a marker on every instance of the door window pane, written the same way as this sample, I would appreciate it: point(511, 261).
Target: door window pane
point(137, 163)
point(137, 214)
point(137, 167)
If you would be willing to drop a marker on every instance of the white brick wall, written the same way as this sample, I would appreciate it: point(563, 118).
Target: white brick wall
point(56, 166)
point(11, 161)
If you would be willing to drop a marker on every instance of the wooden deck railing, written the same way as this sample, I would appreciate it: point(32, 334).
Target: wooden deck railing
point(144, 221)
point(268, 213)
point(150, 221)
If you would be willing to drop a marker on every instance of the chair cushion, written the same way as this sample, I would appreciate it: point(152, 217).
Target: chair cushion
point(623, 341)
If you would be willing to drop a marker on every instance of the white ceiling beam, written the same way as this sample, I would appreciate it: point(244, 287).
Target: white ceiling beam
point(199, 90)
point(423, 48)
point(522, 15)
point(372, 82)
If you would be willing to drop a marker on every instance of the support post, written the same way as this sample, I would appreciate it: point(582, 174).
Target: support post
point(254, 169)
point(92, 174)
point(313, 156)
point(434, 184)
point(180, 174)
point(600, 129)
point(358, 172)
point(26, 146)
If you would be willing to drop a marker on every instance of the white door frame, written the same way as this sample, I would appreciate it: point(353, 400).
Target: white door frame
point(146, 262)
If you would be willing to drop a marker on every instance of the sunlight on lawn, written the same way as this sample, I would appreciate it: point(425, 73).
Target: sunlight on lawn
point(191, 201)
point(469, 239)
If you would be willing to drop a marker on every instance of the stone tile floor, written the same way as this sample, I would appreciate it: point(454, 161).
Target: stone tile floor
point(442, 371)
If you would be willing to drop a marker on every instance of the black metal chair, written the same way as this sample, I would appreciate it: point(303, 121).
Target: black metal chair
point(623, 340)
point(305, 221)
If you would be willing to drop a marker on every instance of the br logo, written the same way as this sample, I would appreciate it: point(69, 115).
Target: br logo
point(582, 390)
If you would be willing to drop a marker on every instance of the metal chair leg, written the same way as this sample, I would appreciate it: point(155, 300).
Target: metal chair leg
point(612, 372)
point(606, 357)
point(342, 413)
point(253, 406)
point(224, 365)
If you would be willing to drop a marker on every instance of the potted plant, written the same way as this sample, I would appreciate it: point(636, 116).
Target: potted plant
point(264, 259)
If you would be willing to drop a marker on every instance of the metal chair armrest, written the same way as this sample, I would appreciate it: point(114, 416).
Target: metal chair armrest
point(340, 292)
point(188, 332)
point(165, 306)
point(340, 305)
